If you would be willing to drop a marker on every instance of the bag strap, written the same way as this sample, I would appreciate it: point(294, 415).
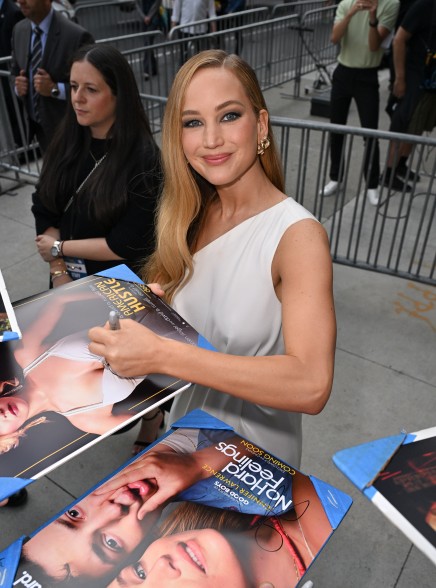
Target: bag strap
point(70, 201)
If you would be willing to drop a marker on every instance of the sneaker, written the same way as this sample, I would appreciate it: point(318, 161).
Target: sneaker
point(373, 196)
point(396, 184)
point(330, 188)
point(407, 174)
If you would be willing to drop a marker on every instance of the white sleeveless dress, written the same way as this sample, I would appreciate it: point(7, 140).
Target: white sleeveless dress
point(231, 301)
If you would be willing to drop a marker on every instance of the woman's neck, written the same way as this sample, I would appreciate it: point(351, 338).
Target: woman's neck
point(244, 199)
point(37, 400)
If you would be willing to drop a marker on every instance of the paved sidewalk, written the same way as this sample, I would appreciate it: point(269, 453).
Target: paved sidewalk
point(385, 381)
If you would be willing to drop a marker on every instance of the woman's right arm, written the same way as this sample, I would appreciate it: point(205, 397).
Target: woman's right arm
point(299, 380)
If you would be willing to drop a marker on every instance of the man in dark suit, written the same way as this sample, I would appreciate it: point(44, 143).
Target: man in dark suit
point(44, 89)
point(10, 14)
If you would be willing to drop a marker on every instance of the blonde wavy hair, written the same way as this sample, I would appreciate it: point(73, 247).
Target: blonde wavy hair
point(11, 441)
point(186, 195)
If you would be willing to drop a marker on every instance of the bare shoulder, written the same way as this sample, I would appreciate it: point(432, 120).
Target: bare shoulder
point(303, 251)
point(303, 238)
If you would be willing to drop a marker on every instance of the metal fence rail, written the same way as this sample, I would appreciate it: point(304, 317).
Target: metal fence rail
point(226, 21)
point(300, 7)
point(398, 237)
point(109, 19)
point(271, 48)
point(315, 50)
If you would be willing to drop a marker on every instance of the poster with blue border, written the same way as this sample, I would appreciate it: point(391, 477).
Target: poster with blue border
point(398, 475)
point(203, 506)
point(57, 398)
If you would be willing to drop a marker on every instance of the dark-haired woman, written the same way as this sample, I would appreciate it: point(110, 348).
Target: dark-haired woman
point(95, 201)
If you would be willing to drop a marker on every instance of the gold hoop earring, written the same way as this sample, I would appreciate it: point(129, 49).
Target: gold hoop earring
point(263, 146)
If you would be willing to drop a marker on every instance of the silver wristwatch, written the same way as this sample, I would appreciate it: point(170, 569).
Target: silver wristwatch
point(55, 91)
point(56, 249)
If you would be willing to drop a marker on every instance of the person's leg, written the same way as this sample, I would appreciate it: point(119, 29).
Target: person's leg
point(399, 151)
point(148, 55)
point(151, 426)
point(368, 103)
point(339, 108)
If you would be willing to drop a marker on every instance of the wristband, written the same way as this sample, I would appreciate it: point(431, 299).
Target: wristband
point(374, 24)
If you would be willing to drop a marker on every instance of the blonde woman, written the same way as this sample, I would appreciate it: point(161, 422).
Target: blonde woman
point(244, 264)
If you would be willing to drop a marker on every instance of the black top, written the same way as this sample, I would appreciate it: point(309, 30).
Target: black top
point(132, 236)
point(420, 22)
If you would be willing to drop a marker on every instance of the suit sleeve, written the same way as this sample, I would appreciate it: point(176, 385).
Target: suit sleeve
point(15, 68)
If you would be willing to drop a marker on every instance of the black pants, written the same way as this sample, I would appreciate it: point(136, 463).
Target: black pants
point(149, 61)
point(360, 84)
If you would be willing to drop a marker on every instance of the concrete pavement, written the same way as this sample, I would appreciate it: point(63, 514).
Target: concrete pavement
point(385, 381)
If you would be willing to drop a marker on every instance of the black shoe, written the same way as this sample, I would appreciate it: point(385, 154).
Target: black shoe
point(395, 183)
point(17, 499)
point(407, 174)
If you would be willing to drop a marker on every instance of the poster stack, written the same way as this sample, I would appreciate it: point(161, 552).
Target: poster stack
point(202, 507)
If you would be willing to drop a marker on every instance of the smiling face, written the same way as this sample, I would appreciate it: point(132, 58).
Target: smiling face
point(195, 559)
point(92, 99)
point(92, 537)
point(14, 412)
point(221, 131)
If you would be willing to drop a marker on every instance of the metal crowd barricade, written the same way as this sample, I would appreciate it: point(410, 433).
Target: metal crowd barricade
point(226, 21)
point(315, 50)
point(397, 237)
point(17, 156)
point(300, 7)
point(269, 47)
point(135, 41)
point(109, 19)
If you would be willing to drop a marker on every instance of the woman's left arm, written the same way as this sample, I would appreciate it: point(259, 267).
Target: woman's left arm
point(96, 249)
point(300, 380)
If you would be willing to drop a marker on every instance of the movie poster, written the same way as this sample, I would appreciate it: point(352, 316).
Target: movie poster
point(202, 507)
point(408, 482)
point(58, 398)
point(398, 475)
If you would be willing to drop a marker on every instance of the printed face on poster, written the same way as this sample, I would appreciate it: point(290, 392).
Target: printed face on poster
point(202, 508)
